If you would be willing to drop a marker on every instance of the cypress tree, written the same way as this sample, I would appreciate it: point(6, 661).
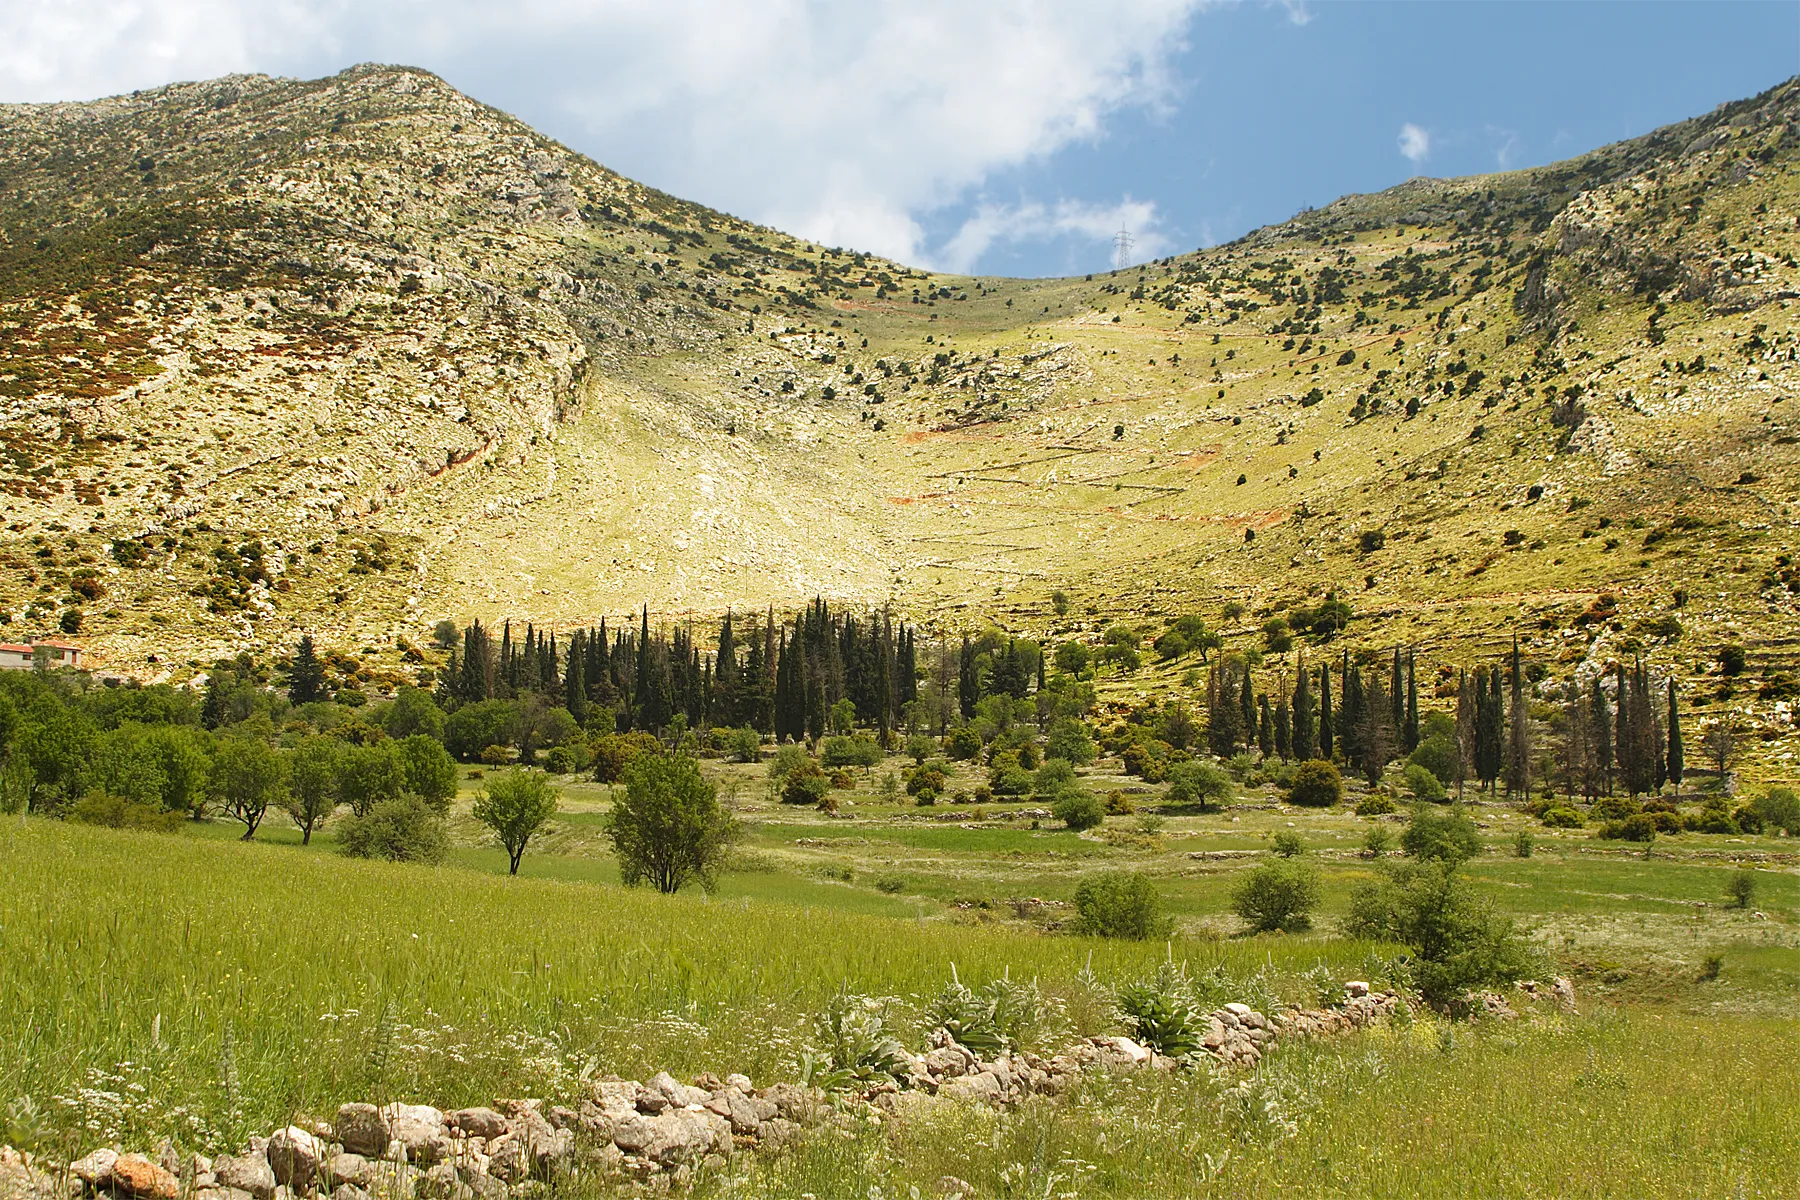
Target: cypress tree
point(1410, 731)
point(306, 680)
point(575, 695)
point(477, 665)
point(1467, 726)
point(1397, 694)
point(1518, 740)
point(1600, 730)
point(507, 670)
point(1265, 727)
point(1247, 708)
point(1284, 734)
point(725, 673)
point(1353, 718)
point(968, 683)
point(1306, 729)
point(1621, 730)
point(1491, 749)
point(1675, 764)
point(1326, 721)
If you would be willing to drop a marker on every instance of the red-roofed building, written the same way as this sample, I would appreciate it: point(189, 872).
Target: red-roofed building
point(17, 656)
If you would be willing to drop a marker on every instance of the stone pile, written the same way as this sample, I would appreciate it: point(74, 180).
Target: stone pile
point(661, 1131)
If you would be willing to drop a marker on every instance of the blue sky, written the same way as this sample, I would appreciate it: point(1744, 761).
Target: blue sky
point(992, 136)
point(1272, 116)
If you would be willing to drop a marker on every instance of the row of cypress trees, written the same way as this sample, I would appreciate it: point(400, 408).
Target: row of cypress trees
point(777, 678)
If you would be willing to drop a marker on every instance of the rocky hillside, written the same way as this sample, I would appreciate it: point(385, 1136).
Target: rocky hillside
point(354, 354)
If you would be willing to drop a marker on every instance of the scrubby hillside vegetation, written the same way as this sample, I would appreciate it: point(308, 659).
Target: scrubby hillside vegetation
point(353, 354)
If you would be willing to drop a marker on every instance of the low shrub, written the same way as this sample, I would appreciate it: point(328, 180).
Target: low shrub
point(116, 812)
point(1445, 835)
point(1316, 784)
point(1639, 827)
point(1079, 809)
point(1118, 804)
point(1278, 895)
point(1457, 942)
point(1287, 844)
point(1423, 785)
point(1561, 817)
point(402, 830)
point(805, 784)
point(1375, 805)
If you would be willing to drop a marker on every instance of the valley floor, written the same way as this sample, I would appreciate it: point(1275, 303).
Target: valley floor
point(195, 988)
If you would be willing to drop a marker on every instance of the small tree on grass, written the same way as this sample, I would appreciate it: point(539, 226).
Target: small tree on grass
point(312, 784)
point(429, 770)
point(1121, 904)
point(404, 829)
point(1742, 887)
point(515, 806)
point(1278, 895)
point(669, 829)
point(247, 778)
point(1315, 784)
point(1203, 785)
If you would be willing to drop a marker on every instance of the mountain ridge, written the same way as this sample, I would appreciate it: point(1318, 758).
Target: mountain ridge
point(349, 355)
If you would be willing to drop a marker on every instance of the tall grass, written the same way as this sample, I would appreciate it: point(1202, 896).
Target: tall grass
point(1635, 1105)
point(165, 986)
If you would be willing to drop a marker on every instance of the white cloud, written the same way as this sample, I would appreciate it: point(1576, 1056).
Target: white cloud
point(1415, 143)
point(844, 123)
point(994, 224)
point(1506, 150)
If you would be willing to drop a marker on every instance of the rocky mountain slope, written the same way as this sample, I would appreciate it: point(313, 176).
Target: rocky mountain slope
point(354, 354)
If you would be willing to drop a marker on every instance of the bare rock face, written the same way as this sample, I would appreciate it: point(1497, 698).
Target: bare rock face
point(136, 1176)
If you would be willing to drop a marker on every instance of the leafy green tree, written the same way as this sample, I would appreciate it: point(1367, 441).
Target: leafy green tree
point(1202, 784)
point(247, 778)
point(1071, 741)
point(1438, 754)
point(1779, 807)
point(1119, 904)
point(368, 775)
point(474, 727)
point(313, 784)
point(429, 770)
point(669, 829)
point(413, 712)
point(515, 806)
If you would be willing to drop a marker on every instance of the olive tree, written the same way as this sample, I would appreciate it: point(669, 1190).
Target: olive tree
point(247, 777)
